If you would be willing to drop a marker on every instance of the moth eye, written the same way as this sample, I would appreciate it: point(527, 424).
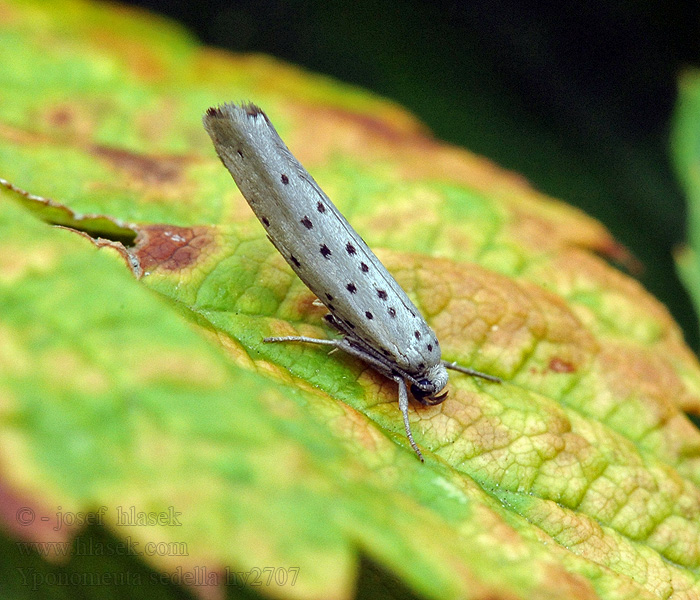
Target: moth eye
point(422, 388)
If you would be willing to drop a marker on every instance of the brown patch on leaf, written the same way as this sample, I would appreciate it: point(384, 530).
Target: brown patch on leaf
point(150, 170)
point(307, 306)
point(336, 130)
point(60, 116)
point(564, 584)
point(382, 127)
point(68, 121)
point(171, 248)
point(616, 253)
point(559, 365)
point(27, 519)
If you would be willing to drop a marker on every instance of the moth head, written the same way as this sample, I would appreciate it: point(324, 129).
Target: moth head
point(427, 385)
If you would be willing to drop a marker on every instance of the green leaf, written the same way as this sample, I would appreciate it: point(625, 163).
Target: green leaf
point(134, 377)
point(686, 153)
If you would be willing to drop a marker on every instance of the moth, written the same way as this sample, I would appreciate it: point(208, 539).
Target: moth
point(378, 322)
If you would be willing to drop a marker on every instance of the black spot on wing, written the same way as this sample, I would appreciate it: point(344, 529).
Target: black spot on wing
point(430, 347)
point(295, 260)
point(417, 334)
point(306, 222)
point(285, 179)
point(265, 221)
point(392, 312)
point(320, 207)
point(239, 153)
point(351, 287)
point(350, 249)
point(364, 267)
point(329, 297)
point(325, 251)
point(369, 315)
point(382, 294)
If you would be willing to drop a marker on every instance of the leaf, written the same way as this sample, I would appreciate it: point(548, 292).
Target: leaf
point(134, 378)
point(686, 134)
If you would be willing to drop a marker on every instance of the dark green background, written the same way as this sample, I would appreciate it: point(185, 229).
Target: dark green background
point(576, 97)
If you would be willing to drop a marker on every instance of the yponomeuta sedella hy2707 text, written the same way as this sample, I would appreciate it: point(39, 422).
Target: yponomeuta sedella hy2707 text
point(378, 321)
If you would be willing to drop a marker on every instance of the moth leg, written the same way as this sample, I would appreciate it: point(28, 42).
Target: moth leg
point(342, 344)
point(403, 405)
point(397, 377)
point(455, 367)
point(368, 358)
point(353, 348)
point(302, 338)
